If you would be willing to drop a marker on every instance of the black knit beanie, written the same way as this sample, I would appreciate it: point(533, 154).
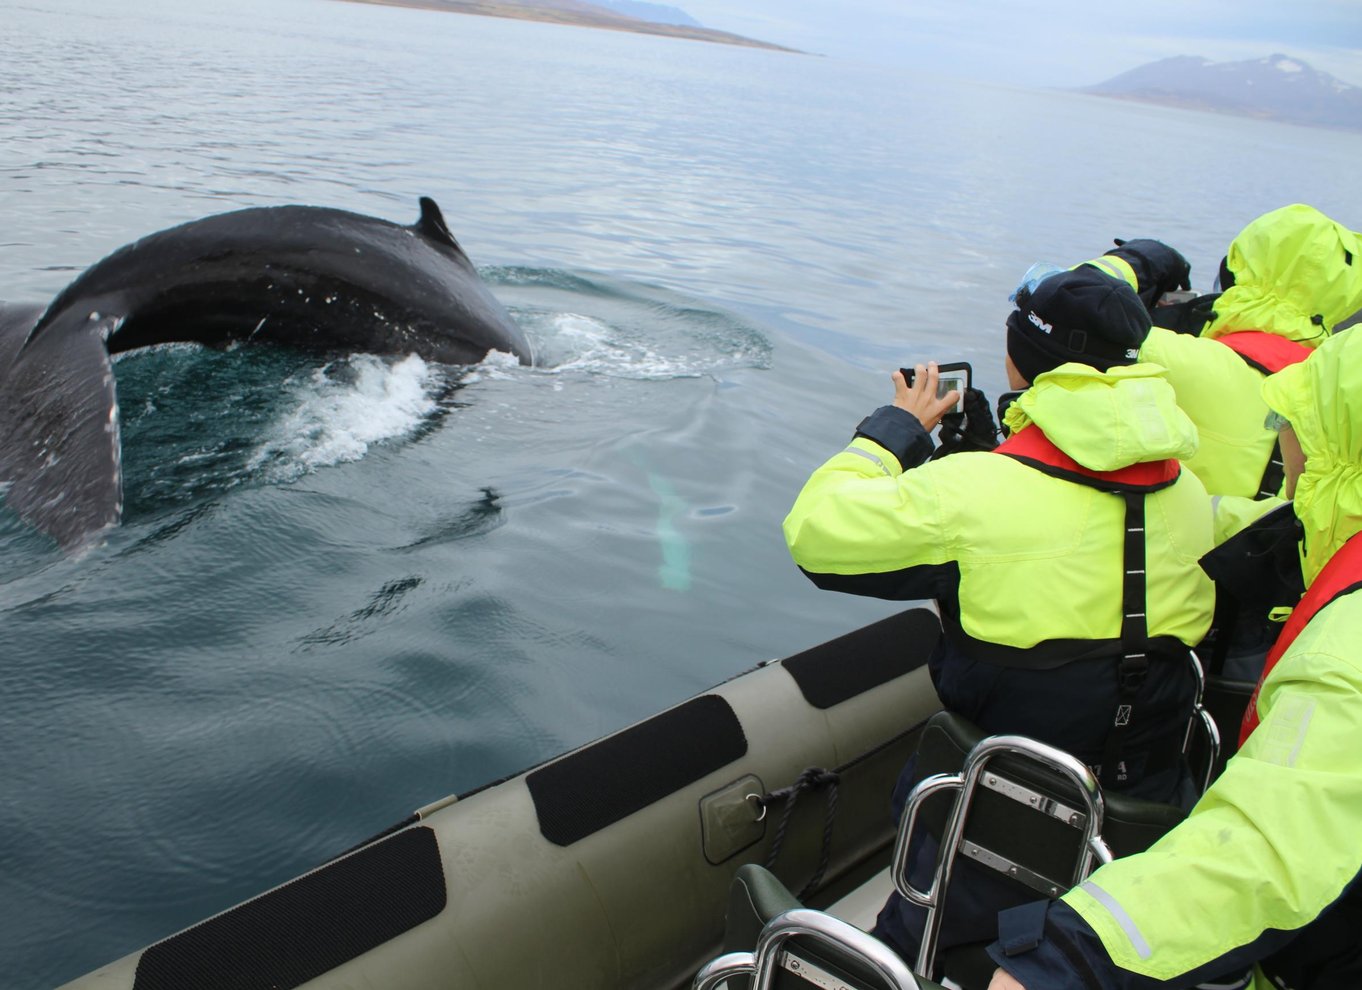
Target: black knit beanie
point(1081, 315)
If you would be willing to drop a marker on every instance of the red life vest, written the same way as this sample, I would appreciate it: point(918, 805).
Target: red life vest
point(1267, 352)
point(1031, 446)
point(1341, 575)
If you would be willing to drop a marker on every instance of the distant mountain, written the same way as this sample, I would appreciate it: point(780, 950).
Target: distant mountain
point(1272, 88)
point(597, 15)
point(658, 13)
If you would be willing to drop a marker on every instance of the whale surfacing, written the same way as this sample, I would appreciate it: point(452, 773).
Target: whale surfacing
point(299, 276)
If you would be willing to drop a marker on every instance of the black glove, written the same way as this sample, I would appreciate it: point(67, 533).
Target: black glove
point(1158, 268)
point(973, 429)
point(1004, 403)
point(1189, 317)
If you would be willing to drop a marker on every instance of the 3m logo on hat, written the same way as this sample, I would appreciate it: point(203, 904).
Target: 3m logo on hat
point(1045, 327)
point(1133, 353)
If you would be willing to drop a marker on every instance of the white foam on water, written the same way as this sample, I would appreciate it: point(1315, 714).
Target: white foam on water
point(166, 347)
point(496, 366)
point(343, 409)
point(593, 346)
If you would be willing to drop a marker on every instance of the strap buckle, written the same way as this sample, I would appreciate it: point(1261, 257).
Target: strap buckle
point(1131, 672)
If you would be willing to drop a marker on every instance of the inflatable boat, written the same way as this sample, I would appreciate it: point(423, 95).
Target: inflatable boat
point(610, 866)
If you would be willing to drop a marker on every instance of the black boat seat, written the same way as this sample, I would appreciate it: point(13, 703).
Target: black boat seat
point(755, 896)
point(797, 948)
point(1028, 811)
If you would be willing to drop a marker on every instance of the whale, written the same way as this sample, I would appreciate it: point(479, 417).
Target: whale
point(306, 277)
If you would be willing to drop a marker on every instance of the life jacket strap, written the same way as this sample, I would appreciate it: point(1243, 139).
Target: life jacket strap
point(1132, 484)
point(1133, 666)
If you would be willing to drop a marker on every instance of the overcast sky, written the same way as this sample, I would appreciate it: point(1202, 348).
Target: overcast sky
point(1049, 42)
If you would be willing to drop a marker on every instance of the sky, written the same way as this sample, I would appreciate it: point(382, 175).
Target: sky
point(1049, 42)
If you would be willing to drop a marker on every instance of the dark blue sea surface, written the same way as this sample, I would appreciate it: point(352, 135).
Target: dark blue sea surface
point(348, 586)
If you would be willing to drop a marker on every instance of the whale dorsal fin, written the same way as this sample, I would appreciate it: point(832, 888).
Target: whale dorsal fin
point(432, 224)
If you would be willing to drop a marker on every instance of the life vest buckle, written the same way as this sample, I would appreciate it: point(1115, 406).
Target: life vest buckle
point(1131, 673)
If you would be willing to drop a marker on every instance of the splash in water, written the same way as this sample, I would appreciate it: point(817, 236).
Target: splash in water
point(344, 408)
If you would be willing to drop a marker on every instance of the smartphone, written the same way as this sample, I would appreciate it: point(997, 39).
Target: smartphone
point(955, 375)
point(1177, 296)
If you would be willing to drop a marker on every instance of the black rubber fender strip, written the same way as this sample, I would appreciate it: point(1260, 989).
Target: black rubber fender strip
point(861, 660)
point(301, 930)
point(607, 781)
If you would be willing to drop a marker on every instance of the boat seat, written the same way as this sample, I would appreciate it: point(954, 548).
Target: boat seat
point(1032, 813)
point(755, 896)
point(797, 948)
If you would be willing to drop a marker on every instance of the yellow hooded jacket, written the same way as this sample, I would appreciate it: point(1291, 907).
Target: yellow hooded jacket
point(1297, 274)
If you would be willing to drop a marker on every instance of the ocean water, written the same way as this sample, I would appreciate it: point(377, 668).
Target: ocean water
point(347, 586)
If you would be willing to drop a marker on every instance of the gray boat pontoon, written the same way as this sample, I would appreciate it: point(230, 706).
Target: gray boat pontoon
point(665, 855)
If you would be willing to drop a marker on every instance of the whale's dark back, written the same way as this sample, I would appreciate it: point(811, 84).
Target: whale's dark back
point(298, 275)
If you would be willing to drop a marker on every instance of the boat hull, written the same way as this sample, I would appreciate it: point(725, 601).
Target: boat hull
point(607, 867)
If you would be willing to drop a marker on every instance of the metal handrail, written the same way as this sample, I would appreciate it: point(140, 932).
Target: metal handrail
point(926, 788)
point(976, 762)
point(1207, 722)
point(716, 971)
point(763, 964)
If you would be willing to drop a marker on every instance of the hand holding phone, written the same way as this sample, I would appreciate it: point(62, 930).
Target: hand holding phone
point(926, 399)
point(955, 377)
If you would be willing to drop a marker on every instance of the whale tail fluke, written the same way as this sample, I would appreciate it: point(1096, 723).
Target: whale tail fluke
point(59, 442)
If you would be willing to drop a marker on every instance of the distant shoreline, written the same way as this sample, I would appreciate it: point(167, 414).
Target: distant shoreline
point(551, 15)
point(1175, 101)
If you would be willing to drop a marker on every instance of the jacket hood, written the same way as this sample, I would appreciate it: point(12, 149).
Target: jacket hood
point(1322, 399)
point(1107, 420)
point(1296, 274)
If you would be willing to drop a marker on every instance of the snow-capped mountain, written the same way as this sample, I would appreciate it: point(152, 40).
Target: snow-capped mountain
point(1276, 88)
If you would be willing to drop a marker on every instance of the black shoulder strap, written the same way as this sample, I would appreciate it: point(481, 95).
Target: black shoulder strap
point(1274, 473)
point(1133, 666)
